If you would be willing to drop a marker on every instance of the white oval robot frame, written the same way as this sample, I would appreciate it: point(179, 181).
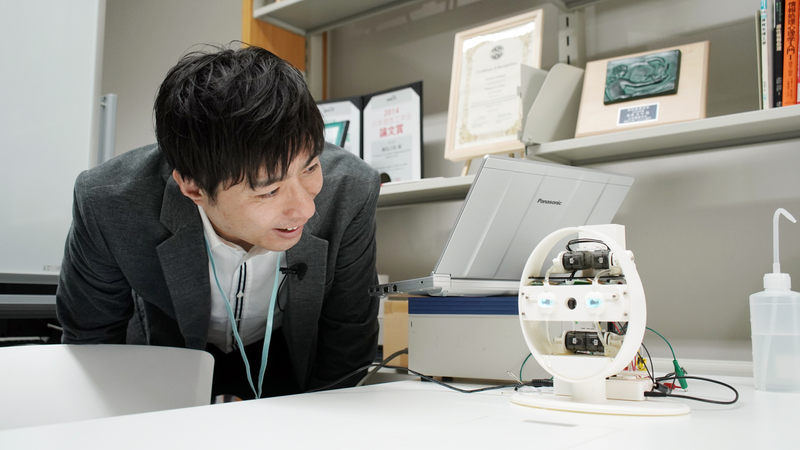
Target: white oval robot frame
point(585, 375)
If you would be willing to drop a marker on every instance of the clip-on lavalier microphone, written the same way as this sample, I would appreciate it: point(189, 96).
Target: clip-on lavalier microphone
point(298, 269)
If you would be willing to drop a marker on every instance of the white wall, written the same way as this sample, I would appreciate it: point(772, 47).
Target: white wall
point(699, 223)
point(144, 39)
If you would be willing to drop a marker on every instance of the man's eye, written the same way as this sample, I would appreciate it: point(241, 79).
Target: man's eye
point(312, 168)
point(269, 194)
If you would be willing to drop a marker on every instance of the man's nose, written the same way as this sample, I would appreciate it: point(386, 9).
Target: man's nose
point(300, 203)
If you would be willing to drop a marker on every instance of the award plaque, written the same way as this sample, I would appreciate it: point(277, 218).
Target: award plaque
point(642, 76)
point(335, 113)
point(643, 90)
point(393, 132)
point(485, 111)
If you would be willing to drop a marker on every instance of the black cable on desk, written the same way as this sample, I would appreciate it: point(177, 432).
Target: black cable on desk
point(699, 399)
point(424, 377)
point(385, 361)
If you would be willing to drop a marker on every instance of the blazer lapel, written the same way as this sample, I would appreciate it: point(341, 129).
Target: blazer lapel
point(301, 319)
point(185, 265)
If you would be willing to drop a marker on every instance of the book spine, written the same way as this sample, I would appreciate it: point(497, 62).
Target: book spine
point(790, 23)
point(777, 59)
point(758, 58)
point(765, 58)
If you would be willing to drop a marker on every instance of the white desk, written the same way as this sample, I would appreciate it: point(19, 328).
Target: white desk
point(418, 415)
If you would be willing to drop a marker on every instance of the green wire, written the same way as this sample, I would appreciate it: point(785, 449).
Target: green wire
point(665, 340)
point(678, 369)
point(523, 365)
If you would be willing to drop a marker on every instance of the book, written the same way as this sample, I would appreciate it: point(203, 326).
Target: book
point(777, 55)
point(790, 68)
point(766, 55)
point(758, 61)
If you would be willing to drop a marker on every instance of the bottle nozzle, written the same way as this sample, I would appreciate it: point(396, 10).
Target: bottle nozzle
point(776, 264)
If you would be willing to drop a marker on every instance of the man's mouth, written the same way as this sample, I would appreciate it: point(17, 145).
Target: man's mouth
point(290, 232)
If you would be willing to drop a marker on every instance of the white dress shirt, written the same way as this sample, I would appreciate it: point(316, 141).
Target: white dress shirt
point(247, 279)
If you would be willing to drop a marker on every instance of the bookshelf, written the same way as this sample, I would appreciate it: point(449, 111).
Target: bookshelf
point(719, 132)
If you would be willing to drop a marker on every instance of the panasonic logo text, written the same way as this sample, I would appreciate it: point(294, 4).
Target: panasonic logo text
point(549, 202)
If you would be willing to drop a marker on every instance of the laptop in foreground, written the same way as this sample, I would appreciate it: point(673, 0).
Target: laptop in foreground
point(511, 206)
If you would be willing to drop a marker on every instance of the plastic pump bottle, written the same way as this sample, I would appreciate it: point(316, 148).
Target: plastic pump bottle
point(775, 326)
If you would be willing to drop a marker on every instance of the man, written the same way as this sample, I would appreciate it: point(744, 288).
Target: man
point(240, 227)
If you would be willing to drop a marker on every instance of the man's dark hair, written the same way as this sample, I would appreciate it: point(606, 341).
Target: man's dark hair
point(226, 117)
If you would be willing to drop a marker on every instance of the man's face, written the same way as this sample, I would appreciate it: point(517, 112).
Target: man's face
point(271, 216)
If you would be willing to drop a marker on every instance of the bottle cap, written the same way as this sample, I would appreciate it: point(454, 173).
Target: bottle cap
point(777, 282)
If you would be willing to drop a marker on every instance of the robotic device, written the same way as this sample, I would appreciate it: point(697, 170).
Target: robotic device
point(586, 330)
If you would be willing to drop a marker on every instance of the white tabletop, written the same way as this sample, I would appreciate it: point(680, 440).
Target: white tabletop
point(414, 414)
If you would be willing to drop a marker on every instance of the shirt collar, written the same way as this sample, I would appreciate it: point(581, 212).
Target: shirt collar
point(215, 240)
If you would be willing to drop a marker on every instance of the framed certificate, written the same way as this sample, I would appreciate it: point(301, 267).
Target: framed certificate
point(393, 132)
point(485, 112)
point(336, 112)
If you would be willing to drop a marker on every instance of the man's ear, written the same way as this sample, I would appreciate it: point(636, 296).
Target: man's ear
point(189, 188)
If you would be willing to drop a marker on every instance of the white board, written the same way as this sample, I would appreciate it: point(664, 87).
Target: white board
point(49, 115)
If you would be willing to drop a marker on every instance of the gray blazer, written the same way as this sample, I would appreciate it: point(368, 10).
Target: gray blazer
point(135, 267)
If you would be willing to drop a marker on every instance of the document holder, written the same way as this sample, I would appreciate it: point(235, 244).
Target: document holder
point(550, 103)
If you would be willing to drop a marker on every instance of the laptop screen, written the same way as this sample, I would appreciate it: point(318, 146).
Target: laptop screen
point(515, 203)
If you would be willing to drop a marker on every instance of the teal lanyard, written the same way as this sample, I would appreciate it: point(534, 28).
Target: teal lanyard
point(267, 333)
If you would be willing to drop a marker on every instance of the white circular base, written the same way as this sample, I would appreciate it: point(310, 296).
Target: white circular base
point(649, 407)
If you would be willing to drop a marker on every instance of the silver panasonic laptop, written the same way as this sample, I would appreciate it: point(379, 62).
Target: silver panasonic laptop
point(511, 206)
